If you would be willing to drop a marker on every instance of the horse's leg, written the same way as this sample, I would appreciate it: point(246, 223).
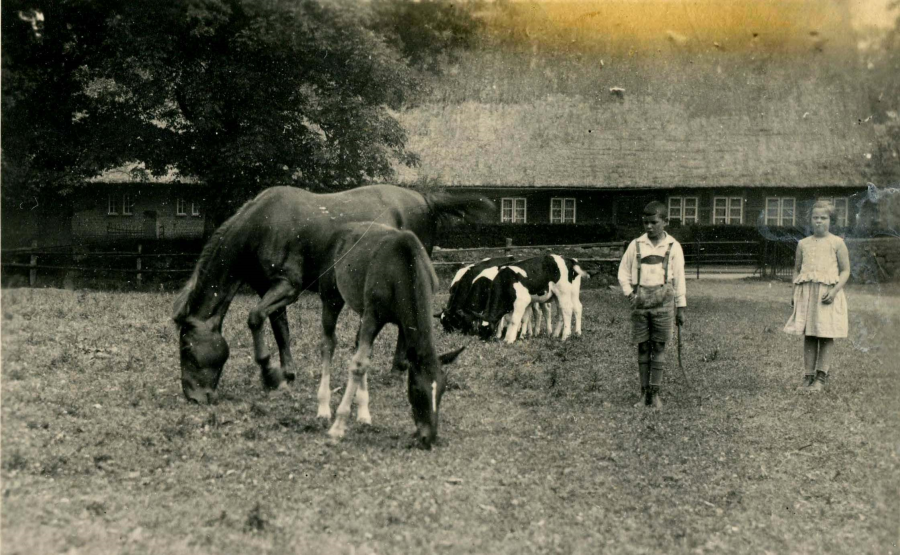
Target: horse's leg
point(331, 309)
point(282, 332)
point(277, 297)
point(359, 365)
point(401, 362)
point(362, 401)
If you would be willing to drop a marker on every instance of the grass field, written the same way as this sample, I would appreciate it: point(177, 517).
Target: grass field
point(540, 449)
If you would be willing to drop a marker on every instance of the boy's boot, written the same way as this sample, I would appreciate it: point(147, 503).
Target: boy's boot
point(653, 399)
point(808, 380)
point(644, 373)
point(656, 373)
point(819, 383)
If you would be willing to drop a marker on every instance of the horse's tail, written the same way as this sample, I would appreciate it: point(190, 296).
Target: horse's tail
point(468, 207)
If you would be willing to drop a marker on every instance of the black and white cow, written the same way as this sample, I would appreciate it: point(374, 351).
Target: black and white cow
point(454, 317)
point(537, 280)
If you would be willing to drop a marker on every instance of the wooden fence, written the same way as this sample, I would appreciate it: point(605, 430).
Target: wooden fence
point(61, 260)
point(764, 258)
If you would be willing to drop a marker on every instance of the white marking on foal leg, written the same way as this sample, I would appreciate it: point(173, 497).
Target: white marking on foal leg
point(362, 401)
point(324, 394)
point(434, 396)
point(355, 372)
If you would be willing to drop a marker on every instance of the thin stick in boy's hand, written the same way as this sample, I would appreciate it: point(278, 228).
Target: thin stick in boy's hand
point(680, 362)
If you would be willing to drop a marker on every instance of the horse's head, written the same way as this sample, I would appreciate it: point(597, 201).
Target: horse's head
point(427, 380)
point(203, 355)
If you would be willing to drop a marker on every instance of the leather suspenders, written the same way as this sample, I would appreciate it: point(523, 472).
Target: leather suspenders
point(637, 245)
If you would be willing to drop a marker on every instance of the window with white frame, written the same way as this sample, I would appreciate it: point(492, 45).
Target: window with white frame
point(781, 211)
point(112, 205)
point(180, 207)
point(562, 211)
point(683, 209)
point(195, 209)
point(127, 205)
point(512, 210)
point(728, 210)
point(841, 215)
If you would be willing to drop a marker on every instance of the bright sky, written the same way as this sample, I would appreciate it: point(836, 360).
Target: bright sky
point(872, 13)
point(779, 25)
point(863, 12)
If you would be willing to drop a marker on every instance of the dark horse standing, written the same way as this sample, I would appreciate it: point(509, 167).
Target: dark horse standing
point(386, 276)
point(278, 244)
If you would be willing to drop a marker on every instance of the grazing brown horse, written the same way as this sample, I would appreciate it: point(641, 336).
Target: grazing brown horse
point(386, 277)
point(278, 243)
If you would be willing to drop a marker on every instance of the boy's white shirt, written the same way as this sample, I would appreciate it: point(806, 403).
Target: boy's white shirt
point(652, 274)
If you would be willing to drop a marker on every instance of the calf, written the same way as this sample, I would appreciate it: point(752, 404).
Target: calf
point(453, 317)
point(540, 279)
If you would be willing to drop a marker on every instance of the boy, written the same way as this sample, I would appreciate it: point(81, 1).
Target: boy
point(652, 277)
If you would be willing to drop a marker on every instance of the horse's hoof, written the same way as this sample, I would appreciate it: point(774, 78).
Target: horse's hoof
point(272, 378)
point(290, 377)
point(364, 419)
point(324, 414)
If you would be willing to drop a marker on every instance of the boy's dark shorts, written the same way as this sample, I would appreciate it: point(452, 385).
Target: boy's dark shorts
point(653, 324)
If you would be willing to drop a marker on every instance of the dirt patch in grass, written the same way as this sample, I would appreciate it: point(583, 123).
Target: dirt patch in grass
point(540, 450)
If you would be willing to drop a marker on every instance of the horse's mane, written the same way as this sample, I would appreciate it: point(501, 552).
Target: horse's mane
point(419, 261)
point(188, 294)
point(468, 207)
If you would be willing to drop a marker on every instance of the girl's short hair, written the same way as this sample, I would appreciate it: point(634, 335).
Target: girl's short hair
point(826, 206)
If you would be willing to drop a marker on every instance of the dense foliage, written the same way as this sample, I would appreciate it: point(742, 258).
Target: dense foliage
point(239, 93)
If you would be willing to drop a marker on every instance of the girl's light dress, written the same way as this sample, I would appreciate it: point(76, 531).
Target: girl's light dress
point(818, 273)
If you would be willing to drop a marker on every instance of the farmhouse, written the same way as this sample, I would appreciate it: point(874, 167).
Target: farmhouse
point(121, 204)
point(127, 203)
point(578, 161)
point(743, 129)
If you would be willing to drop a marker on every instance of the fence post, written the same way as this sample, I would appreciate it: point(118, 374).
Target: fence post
point(508, 245)
point(697, 256)
point(32, 274)
point(139, 276)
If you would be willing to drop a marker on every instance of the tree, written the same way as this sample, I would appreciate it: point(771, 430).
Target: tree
point(428, 33)
point(883, 61)
point(242, 94)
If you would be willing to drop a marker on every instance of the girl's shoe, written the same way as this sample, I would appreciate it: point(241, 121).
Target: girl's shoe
point(642, 402)
point(819, 383)
point(808, 380)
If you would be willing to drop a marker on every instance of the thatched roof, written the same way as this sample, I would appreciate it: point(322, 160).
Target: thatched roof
point(702, 119)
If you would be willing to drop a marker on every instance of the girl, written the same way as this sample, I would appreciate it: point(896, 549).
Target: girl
point(821, 269)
